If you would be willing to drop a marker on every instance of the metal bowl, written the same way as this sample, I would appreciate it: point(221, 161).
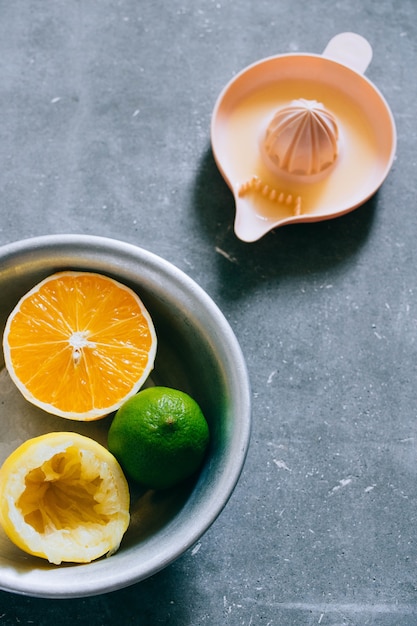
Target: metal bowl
point(197, 352)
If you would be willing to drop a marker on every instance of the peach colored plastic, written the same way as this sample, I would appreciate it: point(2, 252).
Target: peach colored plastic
point(301, 139)
point(266, 197)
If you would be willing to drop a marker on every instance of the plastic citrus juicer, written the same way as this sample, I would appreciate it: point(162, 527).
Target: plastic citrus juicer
point(302, 137)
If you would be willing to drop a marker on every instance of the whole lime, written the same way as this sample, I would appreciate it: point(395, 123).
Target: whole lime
point(159, 436)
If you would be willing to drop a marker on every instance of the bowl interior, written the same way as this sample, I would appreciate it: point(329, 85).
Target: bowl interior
point(197, 353)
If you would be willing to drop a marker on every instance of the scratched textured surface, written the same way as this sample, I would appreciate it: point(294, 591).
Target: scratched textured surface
point(105, 109)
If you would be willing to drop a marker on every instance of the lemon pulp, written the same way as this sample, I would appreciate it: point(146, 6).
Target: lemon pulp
point(64, 497)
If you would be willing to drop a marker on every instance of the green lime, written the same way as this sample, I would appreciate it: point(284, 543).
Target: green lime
point(159, 436)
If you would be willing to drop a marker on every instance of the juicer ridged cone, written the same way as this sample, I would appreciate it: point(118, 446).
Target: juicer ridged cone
point(302, 138)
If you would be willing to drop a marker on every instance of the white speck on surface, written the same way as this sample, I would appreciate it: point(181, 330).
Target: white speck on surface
point(226, 255)
point(344, 482)
point(293, 46)
point(281, 464)
point(278, 446)
point(195, 549)
point(271, 377)
point(54, 100)
point(136, 113)
point(370, 488)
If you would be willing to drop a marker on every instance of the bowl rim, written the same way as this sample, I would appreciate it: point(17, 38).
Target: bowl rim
point(178, 535)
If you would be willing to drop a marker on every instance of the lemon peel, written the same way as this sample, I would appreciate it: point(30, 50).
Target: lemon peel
point(64, 498)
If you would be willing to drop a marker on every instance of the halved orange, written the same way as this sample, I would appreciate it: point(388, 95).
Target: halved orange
point(79, 344)
point(64, 497)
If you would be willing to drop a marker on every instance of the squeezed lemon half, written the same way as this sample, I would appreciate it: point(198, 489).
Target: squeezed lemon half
point(64, 497)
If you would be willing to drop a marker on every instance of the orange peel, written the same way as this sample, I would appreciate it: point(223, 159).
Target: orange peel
point(79, 344)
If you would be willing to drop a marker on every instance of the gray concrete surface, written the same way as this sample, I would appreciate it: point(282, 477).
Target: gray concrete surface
point(105, 114)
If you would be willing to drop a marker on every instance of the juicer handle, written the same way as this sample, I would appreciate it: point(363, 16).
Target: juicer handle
point(350, 49)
